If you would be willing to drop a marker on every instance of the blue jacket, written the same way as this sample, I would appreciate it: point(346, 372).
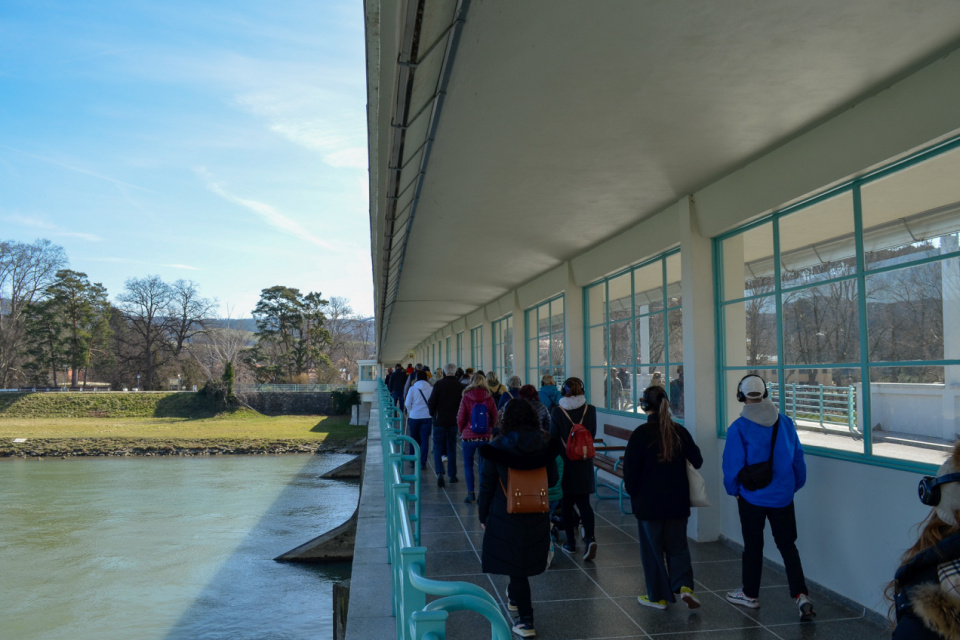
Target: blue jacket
point(749, 443)
point(549, 396)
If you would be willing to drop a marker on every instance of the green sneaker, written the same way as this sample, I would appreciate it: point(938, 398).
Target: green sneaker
point(647, 602)
point(686, 594)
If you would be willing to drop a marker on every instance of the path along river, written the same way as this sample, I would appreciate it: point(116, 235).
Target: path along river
point(167, 548)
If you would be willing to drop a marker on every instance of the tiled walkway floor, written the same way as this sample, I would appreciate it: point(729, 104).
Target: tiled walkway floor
point(577, 599)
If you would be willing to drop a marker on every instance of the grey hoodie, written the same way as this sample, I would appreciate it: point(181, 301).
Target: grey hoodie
point(763, 413)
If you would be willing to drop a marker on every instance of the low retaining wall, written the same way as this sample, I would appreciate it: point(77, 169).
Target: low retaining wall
point(298, 404)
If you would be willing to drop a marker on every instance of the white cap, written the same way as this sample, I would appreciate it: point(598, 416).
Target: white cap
point(753, 387)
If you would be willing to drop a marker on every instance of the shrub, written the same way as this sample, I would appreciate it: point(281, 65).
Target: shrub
point(343, 400)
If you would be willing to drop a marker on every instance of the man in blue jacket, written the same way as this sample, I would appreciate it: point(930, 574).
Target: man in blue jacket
point(749, 440)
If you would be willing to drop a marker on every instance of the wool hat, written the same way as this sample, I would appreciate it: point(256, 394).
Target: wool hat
point(949, 491)
point(753, 387)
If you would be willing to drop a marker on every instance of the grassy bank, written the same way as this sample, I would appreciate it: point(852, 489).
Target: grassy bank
point(156, 424)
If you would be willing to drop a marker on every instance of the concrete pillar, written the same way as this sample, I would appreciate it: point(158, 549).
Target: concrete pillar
point(699, 347)
point(573, 320)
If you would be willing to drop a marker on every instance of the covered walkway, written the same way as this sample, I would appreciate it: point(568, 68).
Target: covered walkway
point(576, 599)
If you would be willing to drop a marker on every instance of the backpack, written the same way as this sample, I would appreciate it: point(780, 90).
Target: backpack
point(480, 419)
point(526, 491)
point(579, 443)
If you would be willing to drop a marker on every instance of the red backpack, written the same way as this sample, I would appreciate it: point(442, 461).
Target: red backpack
point(579, 443)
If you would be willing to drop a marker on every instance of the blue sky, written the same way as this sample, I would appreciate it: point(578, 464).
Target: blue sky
point(221, 142)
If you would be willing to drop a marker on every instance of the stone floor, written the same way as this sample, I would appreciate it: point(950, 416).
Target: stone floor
point(577, 599)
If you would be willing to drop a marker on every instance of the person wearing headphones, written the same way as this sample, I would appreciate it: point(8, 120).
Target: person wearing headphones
point(924, 590)
point(763, 468)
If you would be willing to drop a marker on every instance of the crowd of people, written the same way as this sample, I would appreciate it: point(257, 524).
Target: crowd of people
point(517, 427)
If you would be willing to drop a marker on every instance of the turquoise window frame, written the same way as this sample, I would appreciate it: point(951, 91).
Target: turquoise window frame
point(590, 323)
point(533, 336)
point(476, 347)
point(852, 186)
point(498, 329)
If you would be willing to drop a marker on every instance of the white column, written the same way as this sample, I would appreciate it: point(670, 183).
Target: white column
point(950, 271)
point(573, 321)
point(699, 365)
point(519, 342)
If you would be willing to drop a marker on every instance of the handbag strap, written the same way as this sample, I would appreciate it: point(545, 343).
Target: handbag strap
point(773, 441)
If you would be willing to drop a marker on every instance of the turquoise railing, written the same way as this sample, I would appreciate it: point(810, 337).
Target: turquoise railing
point(828, 406)
point(417, 620)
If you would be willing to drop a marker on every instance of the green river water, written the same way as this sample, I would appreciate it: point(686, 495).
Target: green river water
point(144, 548)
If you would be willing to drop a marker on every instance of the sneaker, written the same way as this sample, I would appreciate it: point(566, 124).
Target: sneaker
point(511, 605)
point(569, 547)
point(443, 459)
point(470, 498)
point(550, 556)
point(686, 594)
point(656, 604)
point(806, 608)
point(524, 629)
point(440, 482)
point(454, 480)
point(591, 551)
point(740, 598)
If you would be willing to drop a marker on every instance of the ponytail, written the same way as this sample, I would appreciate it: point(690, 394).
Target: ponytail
point(654, 400)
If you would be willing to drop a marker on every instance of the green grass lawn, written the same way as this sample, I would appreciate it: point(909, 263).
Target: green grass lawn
point(241, 425)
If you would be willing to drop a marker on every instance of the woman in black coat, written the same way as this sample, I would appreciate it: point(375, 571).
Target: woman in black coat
point(655, 476)
point(578, 479)
point(515, 544)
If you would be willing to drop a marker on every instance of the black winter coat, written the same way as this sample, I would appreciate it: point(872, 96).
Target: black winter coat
point(444, 402)
point(397, 380)
point(658, 490)
point(514, 544)
point(578, 476)
point(924, 611)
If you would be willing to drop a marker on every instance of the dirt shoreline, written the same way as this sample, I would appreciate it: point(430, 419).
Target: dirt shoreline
point(146, 447)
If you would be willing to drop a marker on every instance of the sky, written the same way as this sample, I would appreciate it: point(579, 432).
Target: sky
point(222, 142)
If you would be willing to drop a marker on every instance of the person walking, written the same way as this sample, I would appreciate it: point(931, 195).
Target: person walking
point(655, 476)
point(512, 393)
point(397, 380)
point(578, 479)
point(472, 433)
point(419, 422)
point(444, 403)
point(549, 394)
point(923, 591)
point(529, 393)
point(496, 389)
point(760, 434)
point(515, 544)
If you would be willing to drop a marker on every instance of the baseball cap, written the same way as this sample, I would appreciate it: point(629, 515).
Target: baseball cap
point(753, 387)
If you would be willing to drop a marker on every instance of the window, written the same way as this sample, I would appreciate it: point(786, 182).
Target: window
point(476, 347)
point(459, 355)
point(448, 353)
point(544, 332)
point(503, 348)
point(842, 303)
point(634, 336)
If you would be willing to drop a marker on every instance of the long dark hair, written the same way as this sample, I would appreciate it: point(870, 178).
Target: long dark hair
point(655, 397)
point(518, 415)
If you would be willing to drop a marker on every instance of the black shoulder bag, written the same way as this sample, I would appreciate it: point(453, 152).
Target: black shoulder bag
point(758, 475)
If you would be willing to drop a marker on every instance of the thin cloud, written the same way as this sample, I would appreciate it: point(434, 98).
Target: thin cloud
point(76, 169)
point(53, 229)
point(266, 212)
point(183, 266)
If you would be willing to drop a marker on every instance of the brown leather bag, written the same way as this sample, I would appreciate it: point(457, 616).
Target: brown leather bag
point(526, 491)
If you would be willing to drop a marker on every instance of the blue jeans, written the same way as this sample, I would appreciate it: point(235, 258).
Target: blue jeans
point(469, 448)
point(420, 431)
point(445, 444)
point(665, 557)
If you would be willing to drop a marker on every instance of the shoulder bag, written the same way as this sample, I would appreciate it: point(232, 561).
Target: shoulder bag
point(758, 475)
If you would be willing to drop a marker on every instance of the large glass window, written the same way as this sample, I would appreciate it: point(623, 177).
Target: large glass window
point(842, 302)
point(634, 335)
point(545, 348)
point(476, 347)
point(503, 347)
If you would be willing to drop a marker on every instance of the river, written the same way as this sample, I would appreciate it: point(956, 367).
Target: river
point(167, 548)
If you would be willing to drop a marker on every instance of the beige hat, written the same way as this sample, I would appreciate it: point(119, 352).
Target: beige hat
point(753, 387)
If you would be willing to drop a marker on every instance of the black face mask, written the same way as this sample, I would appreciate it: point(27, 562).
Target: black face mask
point(929, 488)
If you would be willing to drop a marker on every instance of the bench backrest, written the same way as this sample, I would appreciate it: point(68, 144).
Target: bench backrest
point(617, 432)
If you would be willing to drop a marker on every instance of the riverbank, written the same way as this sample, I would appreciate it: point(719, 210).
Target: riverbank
point(154, 447)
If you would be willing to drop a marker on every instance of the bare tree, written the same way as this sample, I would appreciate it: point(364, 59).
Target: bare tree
point(187, 313)
point(25, 271)
point(222, 342)
point(144, 303)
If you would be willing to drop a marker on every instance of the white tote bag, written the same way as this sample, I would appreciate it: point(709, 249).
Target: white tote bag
point(698, 488)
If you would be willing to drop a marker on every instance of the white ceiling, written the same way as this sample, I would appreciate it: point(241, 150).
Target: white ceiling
point(568, 121)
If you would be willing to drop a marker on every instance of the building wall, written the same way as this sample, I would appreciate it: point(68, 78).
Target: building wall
point(855, 519)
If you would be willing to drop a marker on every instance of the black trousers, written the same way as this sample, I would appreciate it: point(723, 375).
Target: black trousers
point(519, 591)
point(783, 525)
point(582, 502)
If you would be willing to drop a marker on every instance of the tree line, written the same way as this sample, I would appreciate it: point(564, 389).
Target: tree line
point(57, 328)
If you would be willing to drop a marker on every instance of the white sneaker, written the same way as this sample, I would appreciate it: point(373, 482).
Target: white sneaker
point(738, 597)
point(443, 459)
point(806, 608)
